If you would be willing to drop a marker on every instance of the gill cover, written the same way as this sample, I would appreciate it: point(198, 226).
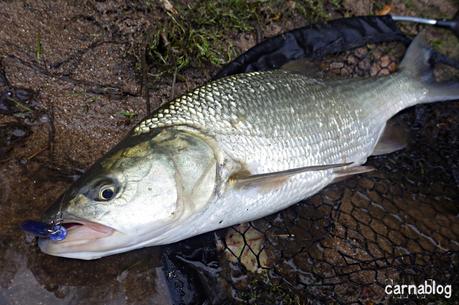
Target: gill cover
point(195, 164)
point(165, 176)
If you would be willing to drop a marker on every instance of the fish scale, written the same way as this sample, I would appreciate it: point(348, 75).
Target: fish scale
point(315, 115)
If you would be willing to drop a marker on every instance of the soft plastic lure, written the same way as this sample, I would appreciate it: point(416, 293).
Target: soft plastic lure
point(45, 230)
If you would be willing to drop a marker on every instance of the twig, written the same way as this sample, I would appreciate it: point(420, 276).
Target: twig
point(174, 79)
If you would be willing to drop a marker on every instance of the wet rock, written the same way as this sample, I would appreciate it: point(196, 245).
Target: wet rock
point(332, 194)
point(448, 232)
point(413, 246)
point(360, 200)
point(441, 240)
point(381, 188)
point(396, 238)
point(384, 244)
point(368, 233)
point(348, 221)
point(389, 206)
point(415, 213)
point(16, 100)
point(362, 216)
point(374, 250)
point(375, 197)
point(376, 211)
point(346, 203)
point(455, 228)
point(379, 227)
point(366, 183)
point(10, 134)
point(426, 244)
point(408, 232)
point(392, 222)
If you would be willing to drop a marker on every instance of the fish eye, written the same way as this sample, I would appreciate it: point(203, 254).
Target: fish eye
point(106, 192)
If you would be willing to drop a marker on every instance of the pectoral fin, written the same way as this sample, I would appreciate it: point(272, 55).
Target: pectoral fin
point(275, 178)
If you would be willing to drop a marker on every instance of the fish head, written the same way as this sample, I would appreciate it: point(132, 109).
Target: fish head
point(137, 195)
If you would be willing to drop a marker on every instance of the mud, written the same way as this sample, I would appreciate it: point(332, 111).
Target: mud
point(73, 64)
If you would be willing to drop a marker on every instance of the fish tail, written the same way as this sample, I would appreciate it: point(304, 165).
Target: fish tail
point(417, 65)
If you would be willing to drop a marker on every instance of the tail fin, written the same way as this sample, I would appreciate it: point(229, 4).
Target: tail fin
point(417, 64)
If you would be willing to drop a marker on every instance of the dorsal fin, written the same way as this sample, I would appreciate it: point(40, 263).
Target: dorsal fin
point(416, 61)
point(244, 178)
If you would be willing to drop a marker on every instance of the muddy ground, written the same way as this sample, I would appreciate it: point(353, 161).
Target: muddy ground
point(78, 64)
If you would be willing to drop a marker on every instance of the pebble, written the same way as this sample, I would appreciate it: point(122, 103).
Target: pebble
point(336, 65)
point(377, 54)
point(346, 71)
point(361, 52)
point(385, 61)
point(392, 67)
point(384, 72)
point(352, 60)
point(374, 69)
point(335, 71)
point(364, 64)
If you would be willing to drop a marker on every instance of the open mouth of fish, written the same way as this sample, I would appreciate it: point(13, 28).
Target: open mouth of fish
point(84, 230)
point(85, 239)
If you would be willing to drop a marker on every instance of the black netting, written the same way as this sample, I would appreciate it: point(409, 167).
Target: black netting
point(397, 224)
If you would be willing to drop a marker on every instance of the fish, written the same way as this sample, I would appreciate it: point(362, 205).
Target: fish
point(233, 150)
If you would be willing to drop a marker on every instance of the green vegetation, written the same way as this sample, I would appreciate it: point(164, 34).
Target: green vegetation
point(204, 32)
point(263, 290)
point(38, 47)
point(128, 114)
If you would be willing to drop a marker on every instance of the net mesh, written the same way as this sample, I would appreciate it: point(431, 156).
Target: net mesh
point(396, 225)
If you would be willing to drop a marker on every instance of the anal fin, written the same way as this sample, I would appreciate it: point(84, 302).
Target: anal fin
point(343, 174)
point(393, 138)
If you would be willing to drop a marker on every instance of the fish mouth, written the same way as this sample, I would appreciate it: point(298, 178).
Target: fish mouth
point(83, 230)
point(83, 236)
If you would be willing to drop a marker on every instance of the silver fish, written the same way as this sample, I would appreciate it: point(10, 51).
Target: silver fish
point(234, 150)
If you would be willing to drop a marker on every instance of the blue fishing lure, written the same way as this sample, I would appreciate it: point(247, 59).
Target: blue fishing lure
point(45, 230)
